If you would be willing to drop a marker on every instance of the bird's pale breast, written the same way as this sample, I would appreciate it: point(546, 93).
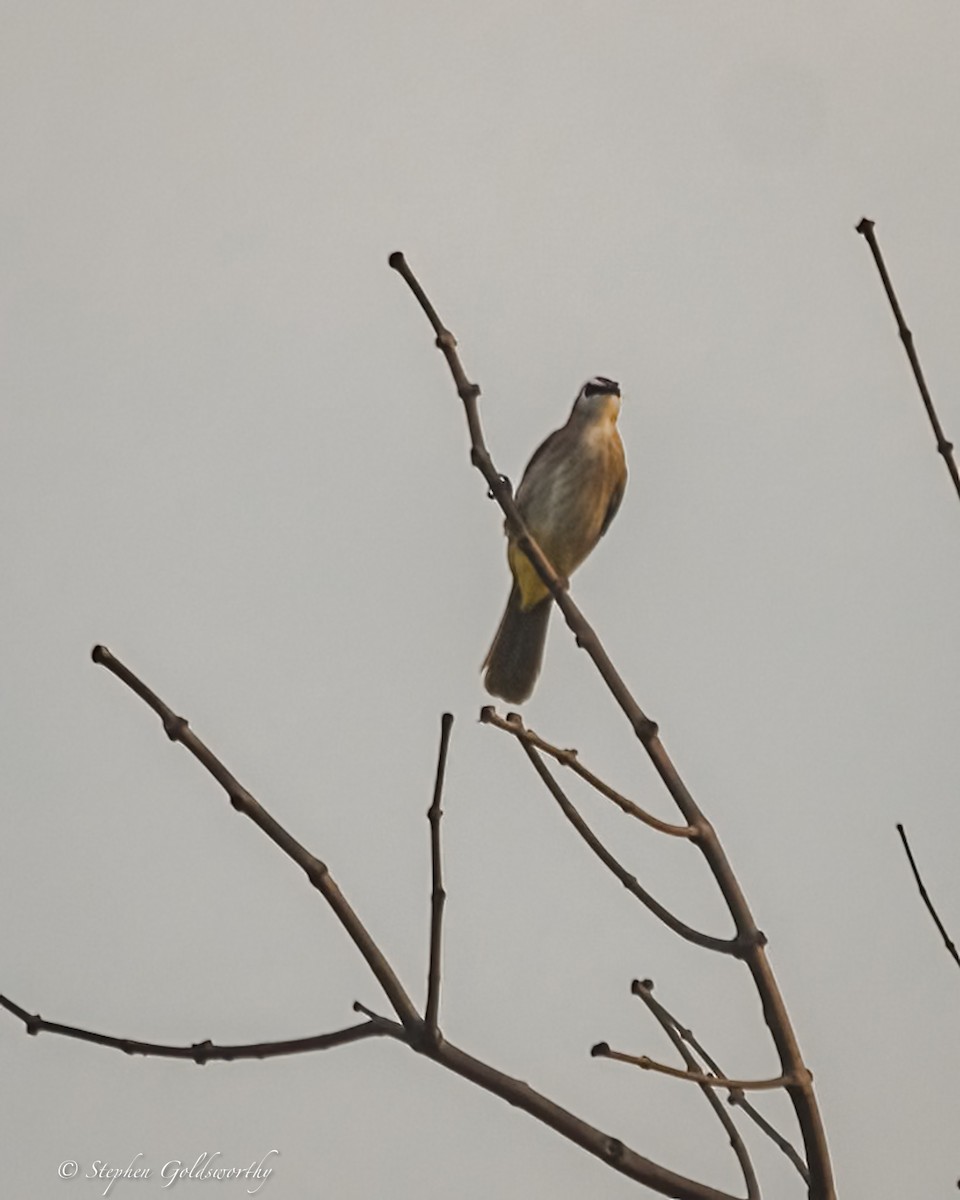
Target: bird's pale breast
point(564, 497)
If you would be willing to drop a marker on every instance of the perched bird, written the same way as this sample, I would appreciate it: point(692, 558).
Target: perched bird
point(569, 494)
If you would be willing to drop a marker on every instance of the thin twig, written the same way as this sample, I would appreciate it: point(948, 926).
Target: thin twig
point(178, 730)
point(200, 1052)
point(750, 940)
point(944, 448)
point(568, 758)
point(644, 989)
point(438, 895)
point(687, 932)
point(736, 1141)
point(947, 940)
point(603, 1050)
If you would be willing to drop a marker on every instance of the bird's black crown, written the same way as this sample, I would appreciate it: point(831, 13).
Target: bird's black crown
point(599, 385)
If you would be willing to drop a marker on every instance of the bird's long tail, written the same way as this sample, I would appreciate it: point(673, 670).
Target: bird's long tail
point(513, 660)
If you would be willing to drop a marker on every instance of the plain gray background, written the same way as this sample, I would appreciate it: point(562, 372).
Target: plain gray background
point(231, 453)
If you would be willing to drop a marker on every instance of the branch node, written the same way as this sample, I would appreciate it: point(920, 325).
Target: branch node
point(201, 1052)
point(745, 943)
point(504, 483)
point(429, 1040)
point(647, 730)
point(175, 727)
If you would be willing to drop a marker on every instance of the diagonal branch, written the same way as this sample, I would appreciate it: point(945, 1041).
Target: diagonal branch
point(203, 1052)
point(608, 1149)
point(947, 940)
point(944, 448)
point(178, 730)
point(644, 989)
point(513, 723)
point(502, 492)
point(630, 882)
point(438, 895)
point(750, 940)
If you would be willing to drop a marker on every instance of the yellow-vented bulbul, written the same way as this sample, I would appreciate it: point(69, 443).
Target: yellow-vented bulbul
point(569, 494)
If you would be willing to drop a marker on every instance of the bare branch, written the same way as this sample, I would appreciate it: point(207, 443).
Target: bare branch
point(749, 940)
point(513, 723)
point(500, 488)
point(609, 1150)
point(644, 989)
point(668, 1025)
point(944, 448)
point(602, 1050)
point(201, 1052)
point(947, 940)
point(178, 730)
point(411, 1029)
point(630, 882)
point(438, 895)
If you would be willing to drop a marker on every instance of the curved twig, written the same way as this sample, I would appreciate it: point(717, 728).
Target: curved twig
point(201, 1052)
point(750, 940)
point(568, 758)
point(687, 932)
point(644, 989)
point(603, 1050)
point(736, 1141)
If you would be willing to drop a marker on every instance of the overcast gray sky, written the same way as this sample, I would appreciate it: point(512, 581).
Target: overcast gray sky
point(231, 453)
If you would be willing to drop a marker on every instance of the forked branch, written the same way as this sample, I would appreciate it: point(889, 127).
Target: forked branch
point(630, 882)
point(513, 723)
point(749, 940)
point(680, 1034)
point(410, 1029)
point(733, 1134)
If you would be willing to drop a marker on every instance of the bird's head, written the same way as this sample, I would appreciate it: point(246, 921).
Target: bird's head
point(599, 398)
